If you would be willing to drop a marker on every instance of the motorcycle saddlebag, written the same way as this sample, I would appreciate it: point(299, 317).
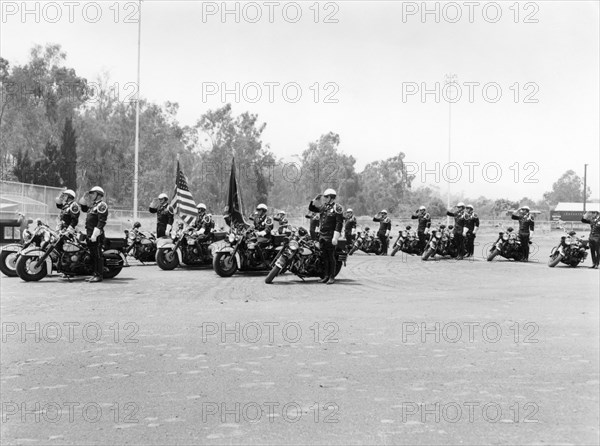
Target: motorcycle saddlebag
point(114, 243)
point(219, 236)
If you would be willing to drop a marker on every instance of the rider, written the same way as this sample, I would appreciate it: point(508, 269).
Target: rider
point(385, 226)
point(283, 222)
point(424, 223)
point(97, 214)
point(164, 215)
point(203, 222)
point(459, 224)
point(526, 227)
point(593, 219)
point(263, 224)
point(69, 210)
point(332, 220)
point(472, 225)
point(349, 226)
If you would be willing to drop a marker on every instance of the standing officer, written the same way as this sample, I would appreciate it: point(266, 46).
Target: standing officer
point(526, 227)
point(424, 223)
point(459, 225)
point(164, 215)
point(314, 225)
point(331, 216)
point(593, 219)
point(69, 210)
point(385, 226)
point(97, 214)
point(472, 225)
point(349, 227)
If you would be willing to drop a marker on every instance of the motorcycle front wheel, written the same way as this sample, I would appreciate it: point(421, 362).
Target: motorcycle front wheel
point(394, 251)
point(224, 264)
point(8, 261)
point(554, 259)
point(27, 271)
point(167, 259)
point(272, 274)
point(492, 255)
point(428, 252)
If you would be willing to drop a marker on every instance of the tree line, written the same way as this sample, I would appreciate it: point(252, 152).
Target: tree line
point(58, 130)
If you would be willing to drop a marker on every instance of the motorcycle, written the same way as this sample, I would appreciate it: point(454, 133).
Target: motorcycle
point(571, 250)
point(245, 251)
point(302, 256)
point(441, 242)
point(185, 246)
point(10, 253)
point(141, 245)
point(508, 246)
point(67, 254)
point(366, 242)
point(407, 242)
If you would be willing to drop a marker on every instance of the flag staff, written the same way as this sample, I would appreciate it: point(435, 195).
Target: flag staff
point(137, 119)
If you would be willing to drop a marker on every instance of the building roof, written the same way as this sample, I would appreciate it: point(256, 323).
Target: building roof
point(576, 207)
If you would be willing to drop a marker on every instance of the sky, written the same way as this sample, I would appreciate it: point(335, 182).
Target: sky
point(528, 74)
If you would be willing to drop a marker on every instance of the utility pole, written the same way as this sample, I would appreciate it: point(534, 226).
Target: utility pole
point(449, 80)
point(137, 119)
point(584, 186)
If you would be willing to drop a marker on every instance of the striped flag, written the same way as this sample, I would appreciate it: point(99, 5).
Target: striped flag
point(183, 203)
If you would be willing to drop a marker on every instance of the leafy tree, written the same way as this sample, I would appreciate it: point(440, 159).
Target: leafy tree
point(68, 156)
point(569, 188)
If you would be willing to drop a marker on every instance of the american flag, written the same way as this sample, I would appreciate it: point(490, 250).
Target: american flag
point(183, 202)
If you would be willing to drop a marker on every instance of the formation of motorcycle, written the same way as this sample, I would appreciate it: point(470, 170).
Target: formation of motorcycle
point(407, 242)
point(186, 246)
point(571, 250)
point(508, 245)
point(441, 242)
point(366, 242)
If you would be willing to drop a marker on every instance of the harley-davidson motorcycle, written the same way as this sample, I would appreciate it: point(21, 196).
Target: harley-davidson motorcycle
point(302, 256)
point(141, 245)
point(366, 242)
point(67, 254)
point(508, 245)
point(186, 246)
point(441, 242)
point(10, 253)
point(571, 250)
point(244, 250)
point(407, 242)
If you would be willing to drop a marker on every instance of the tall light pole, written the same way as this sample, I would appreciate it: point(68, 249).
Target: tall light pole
point(449, 79)
point(137, 119)
point(584, 186)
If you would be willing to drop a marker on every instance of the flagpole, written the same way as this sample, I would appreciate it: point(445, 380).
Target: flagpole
point(137, 119)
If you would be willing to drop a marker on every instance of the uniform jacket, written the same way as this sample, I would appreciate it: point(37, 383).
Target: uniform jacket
point(350, 224)
point(471, 221)
point(263, 223)
point(526, 222)
point(385, 224)
point(69, 214)
point(97, 214)
point(164, 214)
point(594, 226)
point(459, 221)
point(331, 216)
point(424, 221)
point(204, 221)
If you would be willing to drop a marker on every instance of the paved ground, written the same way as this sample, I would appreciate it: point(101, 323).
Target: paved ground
point(397, 352)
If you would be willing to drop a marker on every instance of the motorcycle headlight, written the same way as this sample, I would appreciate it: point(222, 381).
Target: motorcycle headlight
point(404, 234)
point(568, 241)
point(505, 237)
point(438, 235)
point(294, 245)
point(231, 238)
point(27, 235)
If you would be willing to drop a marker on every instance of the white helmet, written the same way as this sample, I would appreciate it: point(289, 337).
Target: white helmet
point(383, 211)
point(201, 206)
point(97, 189)
point(330, 192)
point(262, 206)
point(163, 196)
point(525, 207)
point(460, 205)
point(69, 192)
point(469, 206)
point(422, 208)
point(349, 210)
point(282, 212)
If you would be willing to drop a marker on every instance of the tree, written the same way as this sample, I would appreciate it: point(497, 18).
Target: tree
point(68, 156)
point(23, 167)
point(46, 169)
point(567, 188)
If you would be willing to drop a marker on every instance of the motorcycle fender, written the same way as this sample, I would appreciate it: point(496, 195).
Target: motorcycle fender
point(281, 262)
point(114, 252)
point(34, 251)
point(164, 242)
point(225, 249)
point(15, 247)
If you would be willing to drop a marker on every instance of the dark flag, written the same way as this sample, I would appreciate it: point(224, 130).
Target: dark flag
point(183, 202)
point(234, 211)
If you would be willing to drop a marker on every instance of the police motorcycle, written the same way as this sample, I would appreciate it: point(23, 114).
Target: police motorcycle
point(141, 245)
point(508, 245)
point(36, 237)
point(186, 246)
point(571, 250)
point(407, 242)
point(366, 242)
point(441, 242)
point(302, 256)
point(244, 250)
point(68, 254)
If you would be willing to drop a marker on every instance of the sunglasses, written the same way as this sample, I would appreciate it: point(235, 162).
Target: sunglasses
point(328, 196)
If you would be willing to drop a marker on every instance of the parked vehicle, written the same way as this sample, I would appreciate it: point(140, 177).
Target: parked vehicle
point(571, 250)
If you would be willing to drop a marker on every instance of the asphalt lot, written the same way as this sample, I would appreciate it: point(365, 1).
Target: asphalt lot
point(398, 351)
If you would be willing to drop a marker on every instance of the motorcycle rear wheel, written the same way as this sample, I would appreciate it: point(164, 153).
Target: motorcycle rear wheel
point(8, 261)
point(554, 259)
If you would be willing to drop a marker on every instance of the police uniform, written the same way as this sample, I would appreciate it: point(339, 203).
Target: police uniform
point(459, 225)
point(424, 222)
point(331, 220)
point(526, 224)
point(96, 217)
point(263, 223)
point(471, 222)
point(204, 221)
point(385, 224)
point(164, 217)
point(348, 227)
point(283, 223)
point(69, 214)
point(594, 239)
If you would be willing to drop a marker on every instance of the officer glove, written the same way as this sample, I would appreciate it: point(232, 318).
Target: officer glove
point(71, 230)
point(95, 234)
point(201, 232)
point(261, 233)
point(336, 236)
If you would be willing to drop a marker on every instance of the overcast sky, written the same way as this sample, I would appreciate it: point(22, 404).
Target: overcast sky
point(369, 55)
